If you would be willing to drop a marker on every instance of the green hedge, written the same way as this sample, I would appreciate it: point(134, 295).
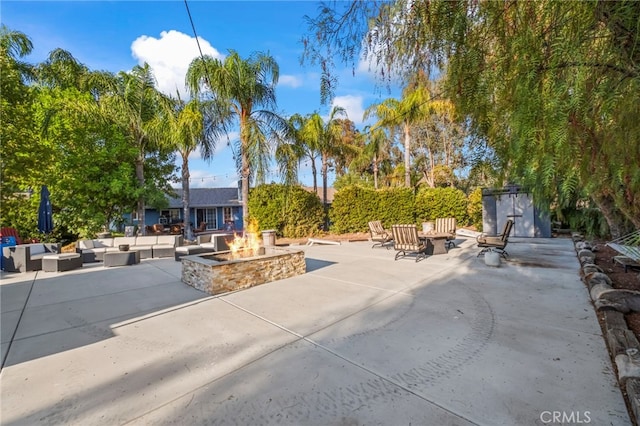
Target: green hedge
point(294, 212)
point(291, 210)
point(474, 208)
point(354, 206)
point(432, 203)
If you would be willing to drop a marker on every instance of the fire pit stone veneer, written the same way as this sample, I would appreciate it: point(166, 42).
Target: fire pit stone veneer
point(216, 273)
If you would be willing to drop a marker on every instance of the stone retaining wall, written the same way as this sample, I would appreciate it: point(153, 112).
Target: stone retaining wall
point(212, 276)
point(611, 305)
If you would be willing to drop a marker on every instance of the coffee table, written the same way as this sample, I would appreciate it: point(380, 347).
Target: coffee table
point(121, 258)
point(436, 242)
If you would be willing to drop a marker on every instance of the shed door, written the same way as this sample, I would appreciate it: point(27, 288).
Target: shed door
point(518, 207)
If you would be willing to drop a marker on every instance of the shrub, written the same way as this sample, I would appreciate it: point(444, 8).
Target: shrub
point(474, 208)
point(432, 203)
point(354, 206)
point(291, 210)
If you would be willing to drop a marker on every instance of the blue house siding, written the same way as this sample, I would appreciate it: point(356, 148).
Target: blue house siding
point(203, 202)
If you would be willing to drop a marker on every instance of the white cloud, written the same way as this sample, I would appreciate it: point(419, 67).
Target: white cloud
point(169, 56)
point(352, 104)
point(290, 81)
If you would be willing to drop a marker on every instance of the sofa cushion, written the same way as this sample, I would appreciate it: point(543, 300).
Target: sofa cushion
point(85, 244)
point(167, 239)
point(206, 238)
point(124, 240)
point(103, 242)
point(208, 245)
point(147, 240)
point(96, 250)
point(36, 249)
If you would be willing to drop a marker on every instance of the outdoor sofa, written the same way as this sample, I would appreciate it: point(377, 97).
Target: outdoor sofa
point(27, 257)
point(148, 246)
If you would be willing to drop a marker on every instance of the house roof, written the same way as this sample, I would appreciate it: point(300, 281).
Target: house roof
point(207, 197)
point(331, 192)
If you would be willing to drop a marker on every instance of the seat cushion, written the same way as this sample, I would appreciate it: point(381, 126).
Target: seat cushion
point(96, 250)
point(148, 240)
point(85, 244)
point(103, 242)
point(167, 240)
point(124, 240)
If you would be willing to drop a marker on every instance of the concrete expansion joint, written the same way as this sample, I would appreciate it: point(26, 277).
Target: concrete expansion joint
point(611, 305)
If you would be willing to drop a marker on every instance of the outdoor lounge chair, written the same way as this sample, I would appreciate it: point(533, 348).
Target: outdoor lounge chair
point(629, 248)
point(201, 228)
point(10, 232)
point(447, 225)
point(406, 241)
point(497, 243)
point(379, 235)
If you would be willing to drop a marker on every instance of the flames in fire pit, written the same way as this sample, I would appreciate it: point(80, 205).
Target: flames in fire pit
point(247, 245)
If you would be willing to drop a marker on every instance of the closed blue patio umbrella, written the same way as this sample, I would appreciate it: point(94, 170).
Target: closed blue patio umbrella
point(45, 212)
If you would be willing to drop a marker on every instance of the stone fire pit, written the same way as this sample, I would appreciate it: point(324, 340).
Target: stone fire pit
point(216, 273)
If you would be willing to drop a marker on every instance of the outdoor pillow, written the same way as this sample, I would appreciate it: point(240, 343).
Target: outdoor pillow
point(36, 249)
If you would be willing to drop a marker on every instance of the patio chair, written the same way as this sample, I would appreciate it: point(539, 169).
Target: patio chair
point(497, 243)
point(629, 248)
point(447, 226)
point(406, 241)
point(201, 228)
point(157, 228)
point(379, 235)
point(10, 232)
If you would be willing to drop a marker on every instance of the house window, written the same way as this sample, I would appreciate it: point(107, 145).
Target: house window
point(169, 216)
point(228, 214)
point(209, 216)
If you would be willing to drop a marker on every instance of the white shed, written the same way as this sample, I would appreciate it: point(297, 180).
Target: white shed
point(513, 202)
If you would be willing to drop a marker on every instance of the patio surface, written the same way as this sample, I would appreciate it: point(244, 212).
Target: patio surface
point(358, 339)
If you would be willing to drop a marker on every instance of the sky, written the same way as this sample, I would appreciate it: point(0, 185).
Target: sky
point(117, 35)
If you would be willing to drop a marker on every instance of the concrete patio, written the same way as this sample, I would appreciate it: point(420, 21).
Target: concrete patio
point(358, 339)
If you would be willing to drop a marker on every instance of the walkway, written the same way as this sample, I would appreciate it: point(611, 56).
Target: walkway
point(359, 339)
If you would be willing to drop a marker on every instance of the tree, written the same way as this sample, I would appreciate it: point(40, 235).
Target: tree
point(403, 113)
point(18, 132)
point(239, 86)
point(550, 86)
point(325, 138)
point(377, 149)
point(181, 125)
point(132, 101)
point(290, 152)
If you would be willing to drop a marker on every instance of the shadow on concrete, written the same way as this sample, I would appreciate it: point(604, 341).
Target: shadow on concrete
point(315, 264)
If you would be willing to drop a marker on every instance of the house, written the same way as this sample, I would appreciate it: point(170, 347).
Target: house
point(331, 193)
point(220, 208)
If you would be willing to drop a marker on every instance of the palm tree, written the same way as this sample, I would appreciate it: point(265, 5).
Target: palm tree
point(375, 151)
point(324, 138)
point(132, 101)
point(182, 126)
point(15, 45)
point(239, 86)
point(402, 113)
point(290, 152)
